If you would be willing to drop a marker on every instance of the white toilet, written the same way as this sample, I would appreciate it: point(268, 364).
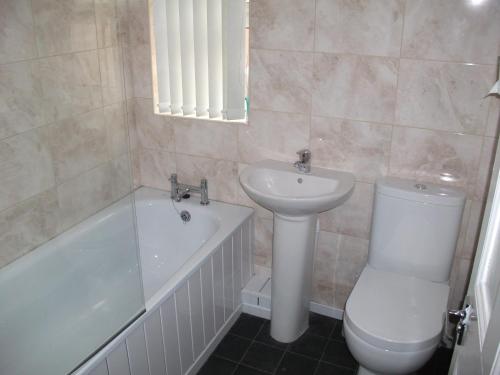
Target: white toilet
point(395, 314)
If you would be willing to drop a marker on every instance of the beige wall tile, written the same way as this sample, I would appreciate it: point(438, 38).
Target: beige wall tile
point(106, 15)
point(28, 224)
point(222, 175)
point(137, 22)
point(64, 26)
point(493, 124)
point(452, 30)
point(441, 157)
point(325, 259)
point(458, 282)
point(151, 131)
point(263, 242)
point(272, 135)
point(211, 139)
point(281, 80)
point(355, 87)
point(112, 78)
point(115, 120)
point(468, 247)
point(155, 168)
point(353, 218)
point(444, 96)
point(138, 81)
point(358, 147)
point(282, 24)
point(371, 27)
point(17, 39)
point(25, 166)
point(88, 193)
point(70, 84)
point(77, 144)
point(20, 99)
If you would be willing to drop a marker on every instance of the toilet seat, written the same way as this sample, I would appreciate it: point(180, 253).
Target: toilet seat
point(396, 312)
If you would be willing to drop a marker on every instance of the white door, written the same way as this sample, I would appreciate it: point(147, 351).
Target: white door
point(480, 349)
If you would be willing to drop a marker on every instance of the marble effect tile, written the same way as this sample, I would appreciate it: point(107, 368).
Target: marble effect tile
point(357, 147)
point(353, 218)
point(326, 252)
point(444, 96)
point(77, 144)
point(460, 31)
point(263, 242)
point(21, 106)
point(115, 120)
point(17, 39)
point(369, 27)
point(70, 84)
point(355, 87)
point(28, 224)
point(440, 157)
point(281, 80)
point(64, 26)
point(210, 139)
point(155, 167)
point(282, 24)
point(112, 77)
point(150, 130)
point(137, 71)
point(25, 166)
point(263, 138)
point(107, 23)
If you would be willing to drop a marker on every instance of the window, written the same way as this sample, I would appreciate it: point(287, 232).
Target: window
point(200, 57)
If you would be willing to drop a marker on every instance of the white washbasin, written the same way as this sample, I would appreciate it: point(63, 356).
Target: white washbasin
point(279, 187)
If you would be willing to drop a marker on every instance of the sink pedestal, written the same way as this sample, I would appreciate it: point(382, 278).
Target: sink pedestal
point(293, 252)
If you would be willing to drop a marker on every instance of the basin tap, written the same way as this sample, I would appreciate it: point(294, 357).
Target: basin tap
point(304, 163)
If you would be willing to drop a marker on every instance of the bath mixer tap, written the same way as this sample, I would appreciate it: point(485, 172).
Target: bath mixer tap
point(178, 190)
point(304, 162)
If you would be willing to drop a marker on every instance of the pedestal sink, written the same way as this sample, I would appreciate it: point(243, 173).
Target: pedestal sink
point(296, 199)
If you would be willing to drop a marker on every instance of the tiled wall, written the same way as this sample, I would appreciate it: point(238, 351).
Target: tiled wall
point(375, 87)
point(64, 145)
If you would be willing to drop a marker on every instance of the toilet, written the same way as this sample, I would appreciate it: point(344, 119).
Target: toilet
point(394, 316)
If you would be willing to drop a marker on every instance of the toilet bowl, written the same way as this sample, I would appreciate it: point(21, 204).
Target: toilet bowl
point(395, 314)
point(393, 323)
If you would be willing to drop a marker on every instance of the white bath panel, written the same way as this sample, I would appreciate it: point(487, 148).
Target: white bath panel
point(218, 289)
point(256, 300)
point(195, 302)
point(118, 361)
point(227, 260)
point(184, 324)
point(102, 369)
point(208, 301)
point(154, 344)
point(137, 354)
point(171, 337)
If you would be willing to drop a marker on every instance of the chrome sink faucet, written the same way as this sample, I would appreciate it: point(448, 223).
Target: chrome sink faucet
point(178, 190)
point(304, 162)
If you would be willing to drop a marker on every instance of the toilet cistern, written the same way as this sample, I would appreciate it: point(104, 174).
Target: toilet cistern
point(296, 193)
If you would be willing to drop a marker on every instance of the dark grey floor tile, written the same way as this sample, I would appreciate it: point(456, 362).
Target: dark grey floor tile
point(217, 366)
point(337, 332)
point(329, 369)
point(265, 337)
point(321, 325)
point(337, 353)
point(244, 370)
point(262, 357)
point(295, 364)
point(232, 347)
point(247, 326)
point(309, 345)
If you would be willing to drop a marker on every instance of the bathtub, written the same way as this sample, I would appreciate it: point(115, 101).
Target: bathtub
point(192, 273)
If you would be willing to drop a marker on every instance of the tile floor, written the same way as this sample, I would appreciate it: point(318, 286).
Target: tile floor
point(248, 349)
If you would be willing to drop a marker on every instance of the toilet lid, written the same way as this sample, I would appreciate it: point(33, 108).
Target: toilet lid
point(396, 312)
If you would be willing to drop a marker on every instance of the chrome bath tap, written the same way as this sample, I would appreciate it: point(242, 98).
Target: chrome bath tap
point(178, 190)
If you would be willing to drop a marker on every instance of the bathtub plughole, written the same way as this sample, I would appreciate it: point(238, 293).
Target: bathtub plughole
point(192, 277)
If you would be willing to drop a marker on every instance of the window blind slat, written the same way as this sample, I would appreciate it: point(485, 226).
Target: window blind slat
point(215, 76)
point(160, 60)
point(233, 59)
point(174, 55)
point(187, 56)
point(201, 56)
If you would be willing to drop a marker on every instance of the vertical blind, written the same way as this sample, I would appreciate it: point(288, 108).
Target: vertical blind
point(199, 57)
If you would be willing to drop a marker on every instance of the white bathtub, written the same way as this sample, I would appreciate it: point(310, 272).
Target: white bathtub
point(193, 274)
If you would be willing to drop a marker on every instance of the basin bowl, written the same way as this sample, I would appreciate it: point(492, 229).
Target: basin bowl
point(279, 187)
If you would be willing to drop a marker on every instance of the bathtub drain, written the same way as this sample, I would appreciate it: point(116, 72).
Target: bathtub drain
point(185, 216)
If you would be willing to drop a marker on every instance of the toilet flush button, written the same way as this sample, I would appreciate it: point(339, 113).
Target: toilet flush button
point(420, 186)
